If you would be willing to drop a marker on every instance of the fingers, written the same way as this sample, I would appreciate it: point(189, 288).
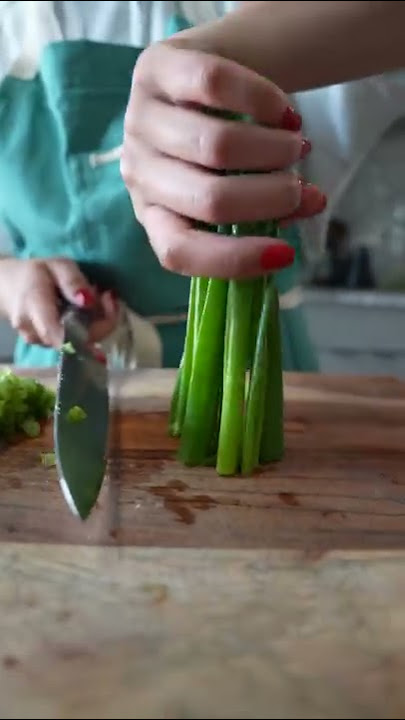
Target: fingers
point(71, 282)
point(33, 312)
point(43, 312)
point(184, 76)
point(76, 288)
point(182, 159)
point(28, 334)
point(186, 251)
point(191, 192)
point(312, 203)
point(105, 326)
point(188, 135)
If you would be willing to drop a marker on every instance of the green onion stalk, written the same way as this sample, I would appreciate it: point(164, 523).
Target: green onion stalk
point(227, 405)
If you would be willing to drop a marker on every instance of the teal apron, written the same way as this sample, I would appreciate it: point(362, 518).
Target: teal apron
point(59, 198)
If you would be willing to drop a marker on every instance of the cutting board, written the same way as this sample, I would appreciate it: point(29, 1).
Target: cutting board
point(341, 484)
point(187, 595)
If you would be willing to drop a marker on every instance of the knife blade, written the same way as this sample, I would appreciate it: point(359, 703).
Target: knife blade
point(80, 446)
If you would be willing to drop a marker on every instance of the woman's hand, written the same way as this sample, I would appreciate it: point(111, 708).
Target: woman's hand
point(28, 297)
point(173, 155)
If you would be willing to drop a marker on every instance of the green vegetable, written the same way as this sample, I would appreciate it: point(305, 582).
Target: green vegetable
point(204, 384)
point(227, 406)
point(48, 459)
point(76, 414)
point(31, 427)
point(68, 348)
point(255, 401)
point(24, 404)
point(234, 376)
point(272, 440)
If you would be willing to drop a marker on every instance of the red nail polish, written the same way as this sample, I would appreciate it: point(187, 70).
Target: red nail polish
point(99, 356)
point(306, 148)
point(323, 203)
point(276, 257)
point(291, 120)
point(85, 298)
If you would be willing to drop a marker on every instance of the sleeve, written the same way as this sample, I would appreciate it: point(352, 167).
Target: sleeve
point(25, 29)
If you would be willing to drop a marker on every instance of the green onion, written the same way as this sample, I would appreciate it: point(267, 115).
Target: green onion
point(31, 427)
point(68, 348)
point(48, 459)
point(227, 405)
point(24, 404)
point(255, 402)
point(234, 381)
point(76, 414)
point(272, 441)
point(206, 377)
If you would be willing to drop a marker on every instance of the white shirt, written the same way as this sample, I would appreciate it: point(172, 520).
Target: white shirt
point(26, 27)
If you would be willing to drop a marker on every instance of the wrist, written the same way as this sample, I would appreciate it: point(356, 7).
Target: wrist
point(301, 46)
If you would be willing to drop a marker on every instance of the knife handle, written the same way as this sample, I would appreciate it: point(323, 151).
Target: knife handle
point(86, 316)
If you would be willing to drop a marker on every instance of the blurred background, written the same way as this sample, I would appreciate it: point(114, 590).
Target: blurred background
point(355, 286)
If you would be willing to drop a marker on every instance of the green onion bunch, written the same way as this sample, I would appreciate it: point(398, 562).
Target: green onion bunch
point(227, 405)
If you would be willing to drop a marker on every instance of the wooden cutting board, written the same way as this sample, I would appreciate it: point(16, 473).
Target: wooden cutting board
point(191, 596)
point(341, 484)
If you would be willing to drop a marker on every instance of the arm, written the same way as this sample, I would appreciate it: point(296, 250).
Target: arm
point(304, 45)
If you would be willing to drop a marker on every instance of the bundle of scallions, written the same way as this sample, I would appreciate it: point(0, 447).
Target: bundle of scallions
point(227, 405)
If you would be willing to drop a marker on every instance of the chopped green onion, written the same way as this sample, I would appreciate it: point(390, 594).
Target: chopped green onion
point(48, 459)
point(68, 348)
point(24, 404)
point(76, 414)
point(31, 427)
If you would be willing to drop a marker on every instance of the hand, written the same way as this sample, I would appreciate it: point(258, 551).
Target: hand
point(172, 153)
point(28, 297)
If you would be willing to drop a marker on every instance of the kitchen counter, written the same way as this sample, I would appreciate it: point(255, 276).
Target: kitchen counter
point(186, 595)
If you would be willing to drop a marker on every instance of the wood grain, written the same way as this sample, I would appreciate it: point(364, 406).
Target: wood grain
point(152, 633)
point(341, 484)
point(191, 596)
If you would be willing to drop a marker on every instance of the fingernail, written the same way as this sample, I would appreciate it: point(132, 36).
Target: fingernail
point(85, 298)
point(291, 120)
point(318, 202)
point(99, 356)
point(276, 257)
point(306, 148)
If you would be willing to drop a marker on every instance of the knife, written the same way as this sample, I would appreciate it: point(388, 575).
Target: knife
point(81, 418)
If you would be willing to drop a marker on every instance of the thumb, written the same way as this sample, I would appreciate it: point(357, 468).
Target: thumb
point(71, 282)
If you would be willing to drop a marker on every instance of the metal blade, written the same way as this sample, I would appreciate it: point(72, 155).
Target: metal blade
point(81, 447)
